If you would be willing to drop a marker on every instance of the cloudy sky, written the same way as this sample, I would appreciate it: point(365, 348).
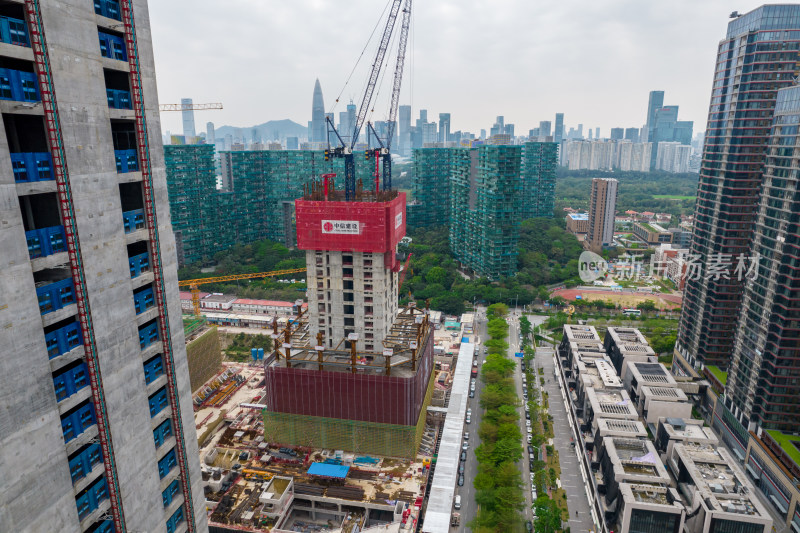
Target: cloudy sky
point(476, 59)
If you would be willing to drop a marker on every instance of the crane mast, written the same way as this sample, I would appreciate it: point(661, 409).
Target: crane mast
point(344, 150)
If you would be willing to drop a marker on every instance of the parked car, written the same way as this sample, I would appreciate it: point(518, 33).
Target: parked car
point(530, 438)
point(469, 411)
point(527, 415)
point(461, 468)
point(461, 480)
point(530, 448)
point(465, 446)
point(468, 419)
point(466, 435)
point(472, 394)
point(529, 430)
point(528, 526)
point(463, 456)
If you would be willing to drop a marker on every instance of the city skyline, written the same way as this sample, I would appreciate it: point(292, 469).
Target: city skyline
point(640, 55)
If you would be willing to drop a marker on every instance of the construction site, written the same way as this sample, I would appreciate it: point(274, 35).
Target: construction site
point(353, 450)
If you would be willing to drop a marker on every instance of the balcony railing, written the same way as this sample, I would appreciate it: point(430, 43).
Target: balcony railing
point(63, 340)
point(148, 335)
point(126, 161)
point(55, 296)
point(108, 8)
point(133, 220)
point(32, 166)
point(144, 300)
point(112, 47)
point(45, 241)
point(14, 31)
point(139, 264)
point(119, 99)
point(18, 85)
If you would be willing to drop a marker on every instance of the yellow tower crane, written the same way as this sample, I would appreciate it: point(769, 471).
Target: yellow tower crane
point(193, 284)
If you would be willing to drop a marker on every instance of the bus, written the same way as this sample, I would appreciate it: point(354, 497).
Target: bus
point(632, 312)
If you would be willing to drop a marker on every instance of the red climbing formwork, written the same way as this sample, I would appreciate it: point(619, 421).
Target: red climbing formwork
point(338, 226)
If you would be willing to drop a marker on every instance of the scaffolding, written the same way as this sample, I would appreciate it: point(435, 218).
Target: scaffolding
point(431, 187)
point(539, 161)
point(368, 438)
point(256, 200)
point(486, 209)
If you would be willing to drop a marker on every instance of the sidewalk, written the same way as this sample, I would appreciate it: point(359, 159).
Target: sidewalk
point(571, 479)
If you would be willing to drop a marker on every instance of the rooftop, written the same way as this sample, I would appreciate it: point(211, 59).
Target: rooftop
point(788, 443)
point(651, 373)
point(721, 375)
point(579, 216)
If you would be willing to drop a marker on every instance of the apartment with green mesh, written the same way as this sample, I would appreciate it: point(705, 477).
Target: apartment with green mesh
point(253, 201)
point(539, 161)
point(431, 187)
point(486, 208)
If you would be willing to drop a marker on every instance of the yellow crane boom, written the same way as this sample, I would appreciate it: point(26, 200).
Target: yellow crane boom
point(193, 284)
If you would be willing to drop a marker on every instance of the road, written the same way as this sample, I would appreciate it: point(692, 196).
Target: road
point(571, 478)
point(524, 466)
point(469, 509)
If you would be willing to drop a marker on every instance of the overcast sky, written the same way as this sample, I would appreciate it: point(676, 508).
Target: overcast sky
point(593, 60)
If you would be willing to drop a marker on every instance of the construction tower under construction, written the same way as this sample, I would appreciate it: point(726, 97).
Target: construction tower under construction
point(354, 373)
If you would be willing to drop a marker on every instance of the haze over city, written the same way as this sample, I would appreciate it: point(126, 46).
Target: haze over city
point(593, 61)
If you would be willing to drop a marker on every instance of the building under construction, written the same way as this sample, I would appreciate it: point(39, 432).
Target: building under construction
point(354, 374)
point(486, 208)
point(431, 187)
point(255, 200)
point(539, 161)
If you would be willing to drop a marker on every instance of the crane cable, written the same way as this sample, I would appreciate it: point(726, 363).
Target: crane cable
point(366, 45)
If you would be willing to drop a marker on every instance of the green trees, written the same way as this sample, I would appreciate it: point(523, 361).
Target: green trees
point(498, 483)
point(548, 515)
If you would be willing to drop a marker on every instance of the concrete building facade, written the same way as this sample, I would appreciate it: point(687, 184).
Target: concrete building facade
point(97, 427)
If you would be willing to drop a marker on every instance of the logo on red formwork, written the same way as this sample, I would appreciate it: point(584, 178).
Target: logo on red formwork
point(341, 227)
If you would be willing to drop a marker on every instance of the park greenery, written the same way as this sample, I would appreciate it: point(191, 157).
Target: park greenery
point(548, 254)
point(260, 256)
point(498, 483)
point(660, 192)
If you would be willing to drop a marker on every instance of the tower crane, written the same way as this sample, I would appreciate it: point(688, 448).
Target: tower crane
point(194, 283)
point(345, 150)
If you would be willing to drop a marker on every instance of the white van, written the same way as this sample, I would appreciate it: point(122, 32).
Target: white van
point(457, 505)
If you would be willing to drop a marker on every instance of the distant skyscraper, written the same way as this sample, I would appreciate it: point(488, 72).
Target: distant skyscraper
point(602, 208)
point(483, 133)
point(580, 131)
point(654, 102)
point(558, 135)
point(444, 127)
point(544, 128)
point(318, 129)
point(632, 134)
point(501, 122)
point(404, 130)
point(617, 134)
point(597, 133)
point(188, 120)
point(728, 198)
point(210, 137)
point(423, 117)
point(509, 130)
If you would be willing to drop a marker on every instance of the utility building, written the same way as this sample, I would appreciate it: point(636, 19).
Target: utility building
point(97, 428)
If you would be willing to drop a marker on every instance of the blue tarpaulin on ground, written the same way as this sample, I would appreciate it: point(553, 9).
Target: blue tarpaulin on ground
point(464, 339)
point(321, 469)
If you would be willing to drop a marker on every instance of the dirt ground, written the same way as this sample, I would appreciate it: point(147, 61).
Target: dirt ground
point(625, 298)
